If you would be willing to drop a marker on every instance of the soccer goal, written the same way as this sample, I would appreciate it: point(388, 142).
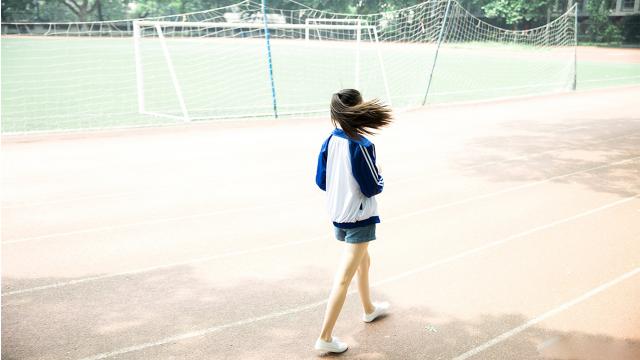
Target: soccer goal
point(318, 34)
point(353, 32)
point(171, 55)
point(249, 60)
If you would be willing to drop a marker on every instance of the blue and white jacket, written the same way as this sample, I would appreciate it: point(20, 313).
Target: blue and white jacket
point(347, 171)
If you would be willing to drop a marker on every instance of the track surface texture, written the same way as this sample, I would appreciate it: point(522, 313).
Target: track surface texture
point(510, 230)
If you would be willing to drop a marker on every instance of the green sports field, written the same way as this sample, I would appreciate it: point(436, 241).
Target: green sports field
point(78, 83)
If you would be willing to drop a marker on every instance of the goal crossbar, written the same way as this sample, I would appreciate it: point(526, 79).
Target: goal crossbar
point(359, 26)
point(235, 25)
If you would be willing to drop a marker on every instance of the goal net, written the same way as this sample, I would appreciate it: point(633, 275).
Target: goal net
point(479, 61)
point(247, 61)
point(227, 72)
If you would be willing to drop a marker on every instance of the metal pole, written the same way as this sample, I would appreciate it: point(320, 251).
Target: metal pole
point(138, 60)
point(358, 38)
point(172, 73)
point(575, 48)
point(384, 73)
point(266, 35)
point(435, 58)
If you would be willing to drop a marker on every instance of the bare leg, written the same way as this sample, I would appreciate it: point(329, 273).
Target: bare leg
point(363, 283)
point(351, 258)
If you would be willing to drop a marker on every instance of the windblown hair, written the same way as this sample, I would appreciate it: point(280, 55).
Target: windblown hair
point(356, 117)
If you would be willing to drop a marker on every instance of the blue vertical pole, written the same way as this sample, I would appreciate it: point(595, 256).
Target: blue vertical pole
point(266, 35)
point(435, 58)
point(575, 48)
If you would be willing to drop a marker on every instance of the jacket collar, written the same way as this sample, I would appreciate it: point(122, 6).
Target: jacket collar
point(340, 133)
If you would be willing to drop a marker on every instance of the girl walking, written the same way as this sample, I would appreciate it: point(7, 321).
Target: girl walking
point(347, 171)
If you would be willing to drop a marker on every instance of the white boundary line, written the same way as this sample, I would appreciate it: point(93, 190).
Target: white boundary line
point(400, 181)
point(144, 222)
point(497, 100)
point(25, 204)
point(163, 266)
point(547, 314)
point(169, 219)
point(151, 189)
point(509, 189)
point(269, 247)
point(519, 157)
point(612, 79)
point(258, 118)
point(405, 274)
point(509, 238)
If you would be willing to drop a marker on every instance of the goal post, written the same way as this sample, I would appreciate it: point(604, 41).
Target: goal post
point(138, 63)
point(170, 68)
point(385, 81)
point(359, 26)
point(172, 73)
point(340, 30)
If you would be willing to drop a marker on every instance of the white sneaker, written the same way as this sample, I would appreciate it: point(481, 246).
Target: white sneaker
point(381, 309)
point(335, 346)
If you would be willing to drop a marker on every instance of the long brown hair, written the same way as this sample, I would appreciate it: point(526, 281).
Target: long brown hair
point(356, 117)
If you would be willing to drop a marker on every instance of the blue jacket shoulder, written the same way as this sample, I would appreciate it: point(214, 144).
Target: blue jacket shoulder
point(363, 167)
point(321, 168)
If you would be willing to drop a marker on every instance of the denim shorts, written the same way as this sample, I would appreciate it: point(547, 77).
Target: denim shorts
point(356, 235)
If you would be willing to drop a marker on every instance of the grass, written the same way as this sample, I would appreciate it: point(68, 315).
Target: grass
point(77, 83)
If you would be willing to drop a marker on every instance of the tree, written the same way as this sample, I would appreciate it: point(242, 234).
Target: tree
point(515, 12)
point(631, 29)
point(17, 10)
point(82, 8)
point(599, 25)
point(151, 8)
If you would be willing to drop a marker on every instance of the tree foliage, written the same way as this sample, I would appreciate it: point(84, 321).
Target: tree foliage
point(631, 29)
point(16, 10)
point(505, 11)
point(518, 14)
point(600, 28)
point(63, 10)
point(515, 11)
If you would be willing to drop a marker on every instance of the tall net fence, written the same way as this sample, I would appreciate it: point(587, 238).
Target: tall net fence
point(478, 61)
point(247, 61)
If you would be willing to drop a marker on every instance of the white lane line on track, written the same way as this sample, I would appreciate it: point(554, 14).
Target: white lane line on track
point(508, 239)
point(547, 314)
point(144, 222)
point(114, 195)
point(401, 181)
point(545, 344)
point(458, 202)
point(612, 78)
point(163, 266)
point(405, 274)
point(509, 189)
point(496, 162)
point(242, 252)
